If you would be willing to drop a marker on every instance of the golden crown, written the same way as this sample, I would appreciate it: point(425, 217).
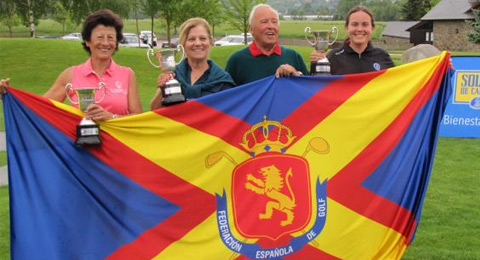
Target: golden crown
point(267, 136)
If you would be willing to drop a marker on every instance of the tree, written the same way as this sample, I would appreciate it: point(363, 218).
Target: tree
point(31, 10)
point(8, 15)
point(413, 10)
point(238, 12)
point(216, 15)
point(385, 10)
point(136, 6)
point(475, 35)
point(151, 8)
point(62, 10)
point(81, 9)
point(171, 11)
point(210, 10)
point(344, 7)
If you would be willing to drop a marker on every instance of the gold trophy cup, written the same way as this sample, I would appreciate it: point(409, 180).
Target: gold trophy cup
point(172, 92)
point(321, 42)
point(88, 133)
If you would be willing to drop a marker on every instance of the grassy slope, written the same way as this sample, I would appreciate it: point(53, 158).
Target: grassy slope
point(4, 224)
point(450, 226)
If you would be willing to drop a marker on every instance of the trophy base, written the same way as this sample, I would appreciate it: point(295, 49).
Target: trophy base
point(173, 100)
point(172, 93)
point(88, 133)
point(320, 67)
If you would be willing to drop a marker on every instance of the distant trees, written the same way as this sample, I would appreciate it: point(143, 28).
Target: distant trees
point(151, 8)
point(344, 7)
point(210, 10)
point(238, 12)
point(63, 10)
point(413, 10)
point(30, 11)
point(82, 9)
point(8, 15)
point(172, 13)
point(382, 10)
point(475, 35)
point(385, 10)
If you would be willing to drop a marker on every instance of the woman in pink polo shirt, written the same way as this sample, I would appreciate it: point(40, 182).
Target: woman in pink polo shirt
point(101, 33)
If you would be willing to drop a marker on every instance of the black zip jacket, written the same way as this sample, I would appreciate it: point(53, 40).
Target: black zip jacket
point(345, 60)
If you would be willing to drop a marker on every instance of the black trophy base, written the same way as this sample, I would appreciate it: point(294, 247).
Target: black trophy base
point(320, 68)
point(173, 99)
point(172, 93)
point(88, 135)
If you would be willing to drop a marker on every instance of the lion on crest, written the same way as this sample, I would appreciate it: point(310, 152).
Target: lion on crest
point(271, 186)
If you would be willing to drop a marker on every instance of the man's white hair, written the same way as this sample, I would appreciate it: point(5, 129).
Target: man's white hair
point(254, 9)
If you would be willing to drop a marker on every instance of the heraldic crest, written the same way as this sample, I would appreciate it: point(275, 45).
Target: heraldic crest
point(271, 196)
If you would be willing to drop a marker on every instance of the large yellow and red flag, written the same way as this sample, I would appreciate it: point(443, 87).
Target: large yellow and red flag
point(290, 168)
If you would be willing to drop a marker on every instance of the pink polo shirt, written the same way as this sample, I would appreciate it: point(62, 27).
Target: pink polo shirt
point(116, 78)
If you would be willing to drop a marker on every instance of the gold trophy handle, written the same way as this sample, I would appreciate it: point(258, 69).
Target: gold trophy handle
point(101, 86)
point(334, 31)
point(151, 52)
point(68, 89)
point(308, 31)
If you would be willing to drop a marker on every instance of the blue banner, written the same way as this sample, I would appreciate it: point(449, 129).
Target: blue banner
point(462, 115)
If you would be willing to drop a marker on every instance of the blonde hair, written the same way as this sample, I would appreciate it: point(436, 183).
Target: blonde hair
point(189, 24)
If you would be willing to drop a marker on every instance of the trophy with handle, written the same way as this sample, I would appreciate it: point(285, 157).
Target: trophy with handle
point(88, 133)
point(172, 92)
point(321, 42)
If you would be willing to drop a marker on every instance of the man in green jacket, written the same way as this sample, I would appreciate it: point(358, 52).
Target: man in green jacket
point(264, 56)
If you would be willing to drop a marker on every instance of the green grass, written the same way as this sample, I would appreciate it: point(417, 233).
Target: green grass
point(450, 223)
point(3, 158)
point(4, 224)
point(449, 227)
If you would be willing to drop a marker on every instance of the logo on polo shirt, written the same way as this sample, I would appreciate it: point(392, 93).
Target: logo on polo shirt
point(118, 89)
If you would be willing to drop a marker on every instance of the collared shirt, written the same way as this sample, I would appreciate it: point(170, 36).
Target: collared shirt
point(114, 96)
point(245, 67)
point(255, 51)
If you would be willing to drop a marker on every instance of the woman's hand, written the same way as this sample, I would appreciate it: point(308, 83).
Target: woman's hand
point(4, 84)
point(286, 70)
point(317, 55)
point(97, 113)
point(164, 78)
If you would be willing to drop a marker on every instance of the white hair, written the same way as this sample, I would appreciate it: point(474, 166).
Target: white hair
point(254, 9)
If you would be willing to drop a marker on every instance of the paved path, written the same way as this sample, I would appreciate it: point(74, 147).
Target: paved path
point(3, 170)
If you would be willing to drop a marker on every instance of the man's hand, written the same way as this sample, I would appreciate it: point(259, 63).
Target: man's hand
point(286, 70)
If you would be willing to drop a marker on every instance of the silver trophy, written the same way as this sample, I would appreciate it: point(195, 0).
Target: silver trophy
point(88, 133)
point(172, 92)
point(321, 42)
